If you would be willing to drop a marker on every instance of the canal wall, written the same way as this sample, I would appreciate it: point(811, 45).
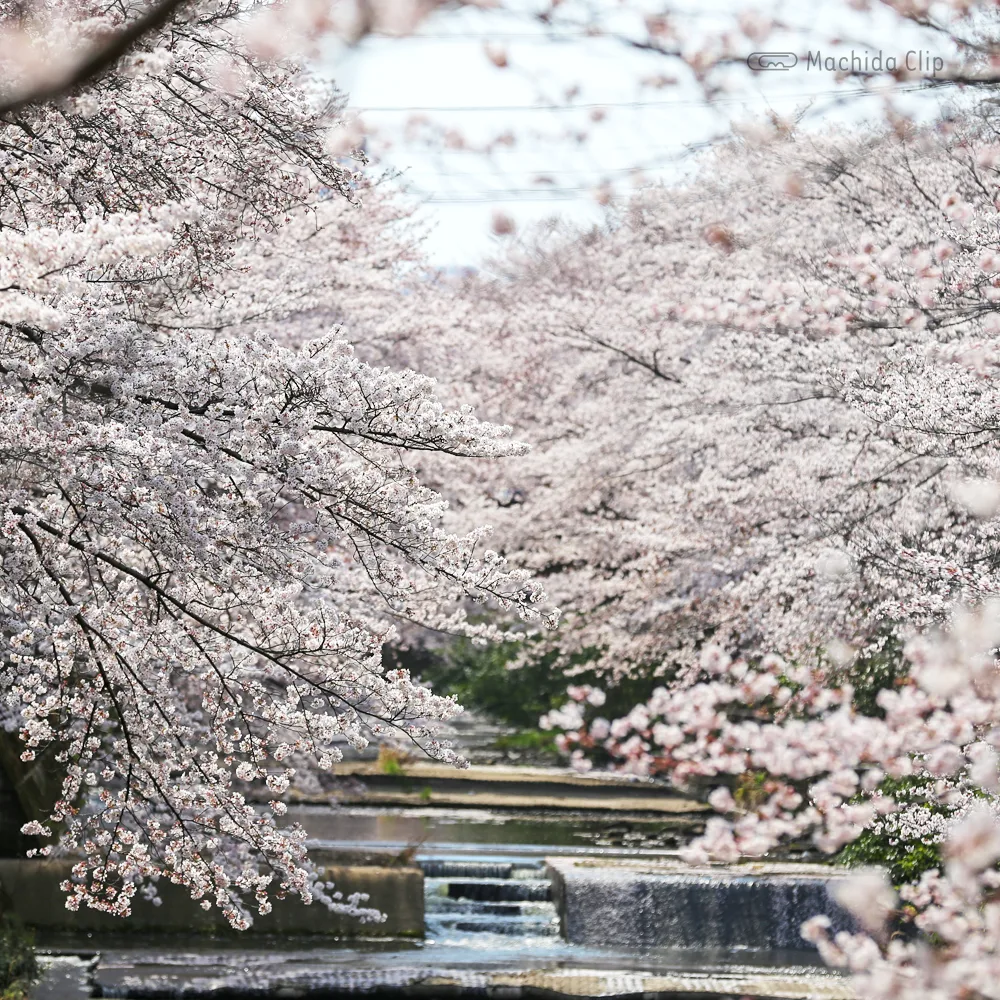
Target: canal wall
point(29, 890)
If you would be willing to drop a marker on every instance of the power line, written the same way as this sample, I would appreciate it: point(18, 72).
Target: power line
point(597, 106)
point(664, 156)
point(512, 195)
point(499, 36)
point(543, 193)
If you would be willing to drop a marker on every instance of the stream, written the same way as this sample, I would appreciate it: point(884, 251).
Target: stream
point(490, 924)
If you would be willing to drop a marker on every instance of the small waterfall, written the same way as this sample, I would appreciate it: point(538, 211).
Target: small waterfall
point(479, 904)
point(694, 911)
point(434, 868)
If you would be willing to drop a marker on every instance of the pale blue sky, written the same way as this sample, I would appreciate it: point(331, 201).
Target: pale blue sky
point(443, 73)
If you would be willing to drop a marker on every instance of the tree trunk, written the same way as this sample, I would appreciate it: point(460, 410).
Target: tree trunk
point(12, 841)
point(28, 790)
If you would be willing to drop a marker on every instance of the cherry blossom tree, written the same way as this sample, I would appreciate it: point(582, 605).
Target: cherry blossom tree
point(712, 389)
point(50, 47)
point(794, 360)
point(893, 61)
point(821, 770)
point(761, 410)
point(211, 517)
point(853, 41)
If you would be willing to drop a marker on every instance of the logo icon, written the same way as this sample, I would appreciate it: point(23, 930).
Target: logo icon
point(772, 60)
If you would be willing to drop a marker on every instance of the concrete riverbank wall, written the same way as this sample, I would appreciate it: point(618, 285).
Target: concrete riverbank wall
point(29, 890)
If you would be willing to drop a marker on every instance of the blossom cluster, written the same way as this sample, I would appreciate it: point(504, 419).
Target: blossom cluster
point(211, 518)
point(820, 768)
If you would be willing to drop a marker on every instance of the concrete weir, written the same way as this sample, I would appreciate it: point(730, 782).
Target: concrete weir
point(491, 931)
point(423, 783)
point(500, 902)
point(665, 904)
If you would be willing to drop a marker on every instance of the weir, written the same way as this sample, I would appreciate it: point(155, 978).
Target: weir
point(492, 929)
point(484, 901)
point(515, 903)
point(666, 904)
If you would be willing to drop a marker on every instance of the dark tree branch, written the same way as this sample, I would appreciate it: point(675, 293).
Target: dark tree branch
point(98, 62)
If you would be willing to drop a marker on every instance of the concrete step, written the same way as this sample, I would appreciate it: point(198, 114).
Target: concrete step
point(30, 892)
point(427, 783)
point(494, 889)
point(434, 868)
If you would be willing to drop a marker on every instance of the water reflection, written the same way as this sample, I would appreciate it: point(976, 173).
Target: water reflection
point(473, 831)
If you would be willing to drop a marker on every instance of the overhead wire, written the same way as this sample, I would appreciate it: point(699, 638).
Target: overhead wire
point(512, 191)
point(603, 105)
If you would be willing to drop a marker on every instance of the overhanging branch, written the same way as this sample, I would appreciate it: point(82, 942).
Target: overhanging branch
point(100, 60)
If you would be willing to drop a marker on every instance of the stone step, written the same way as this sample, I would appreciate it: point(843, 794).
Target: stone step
point(505, 928)
point(495, 890)
point(469, 869)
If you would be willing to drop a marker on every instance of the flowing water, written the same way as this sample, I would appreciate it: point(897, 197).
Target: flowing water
point(490, 923)
point(466, 900)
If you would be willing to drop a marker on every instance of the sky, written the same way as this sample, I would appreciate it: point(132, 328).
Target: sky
point(583, 120)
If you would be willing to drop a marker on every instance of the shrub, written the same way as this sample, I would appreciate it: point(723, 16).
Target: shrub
point(18, 965)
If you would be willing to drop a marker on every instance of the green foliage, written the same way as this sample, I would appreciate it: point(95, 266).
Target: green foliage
point(482, 679)
point(18, 966)
point(530, 740)
point(904, 860)
point(874, 673)
point(751, 789)
point(391, 761)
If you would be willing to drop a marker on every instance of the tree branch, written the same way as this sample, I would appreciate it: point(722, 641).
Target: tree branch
point(99, 61)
